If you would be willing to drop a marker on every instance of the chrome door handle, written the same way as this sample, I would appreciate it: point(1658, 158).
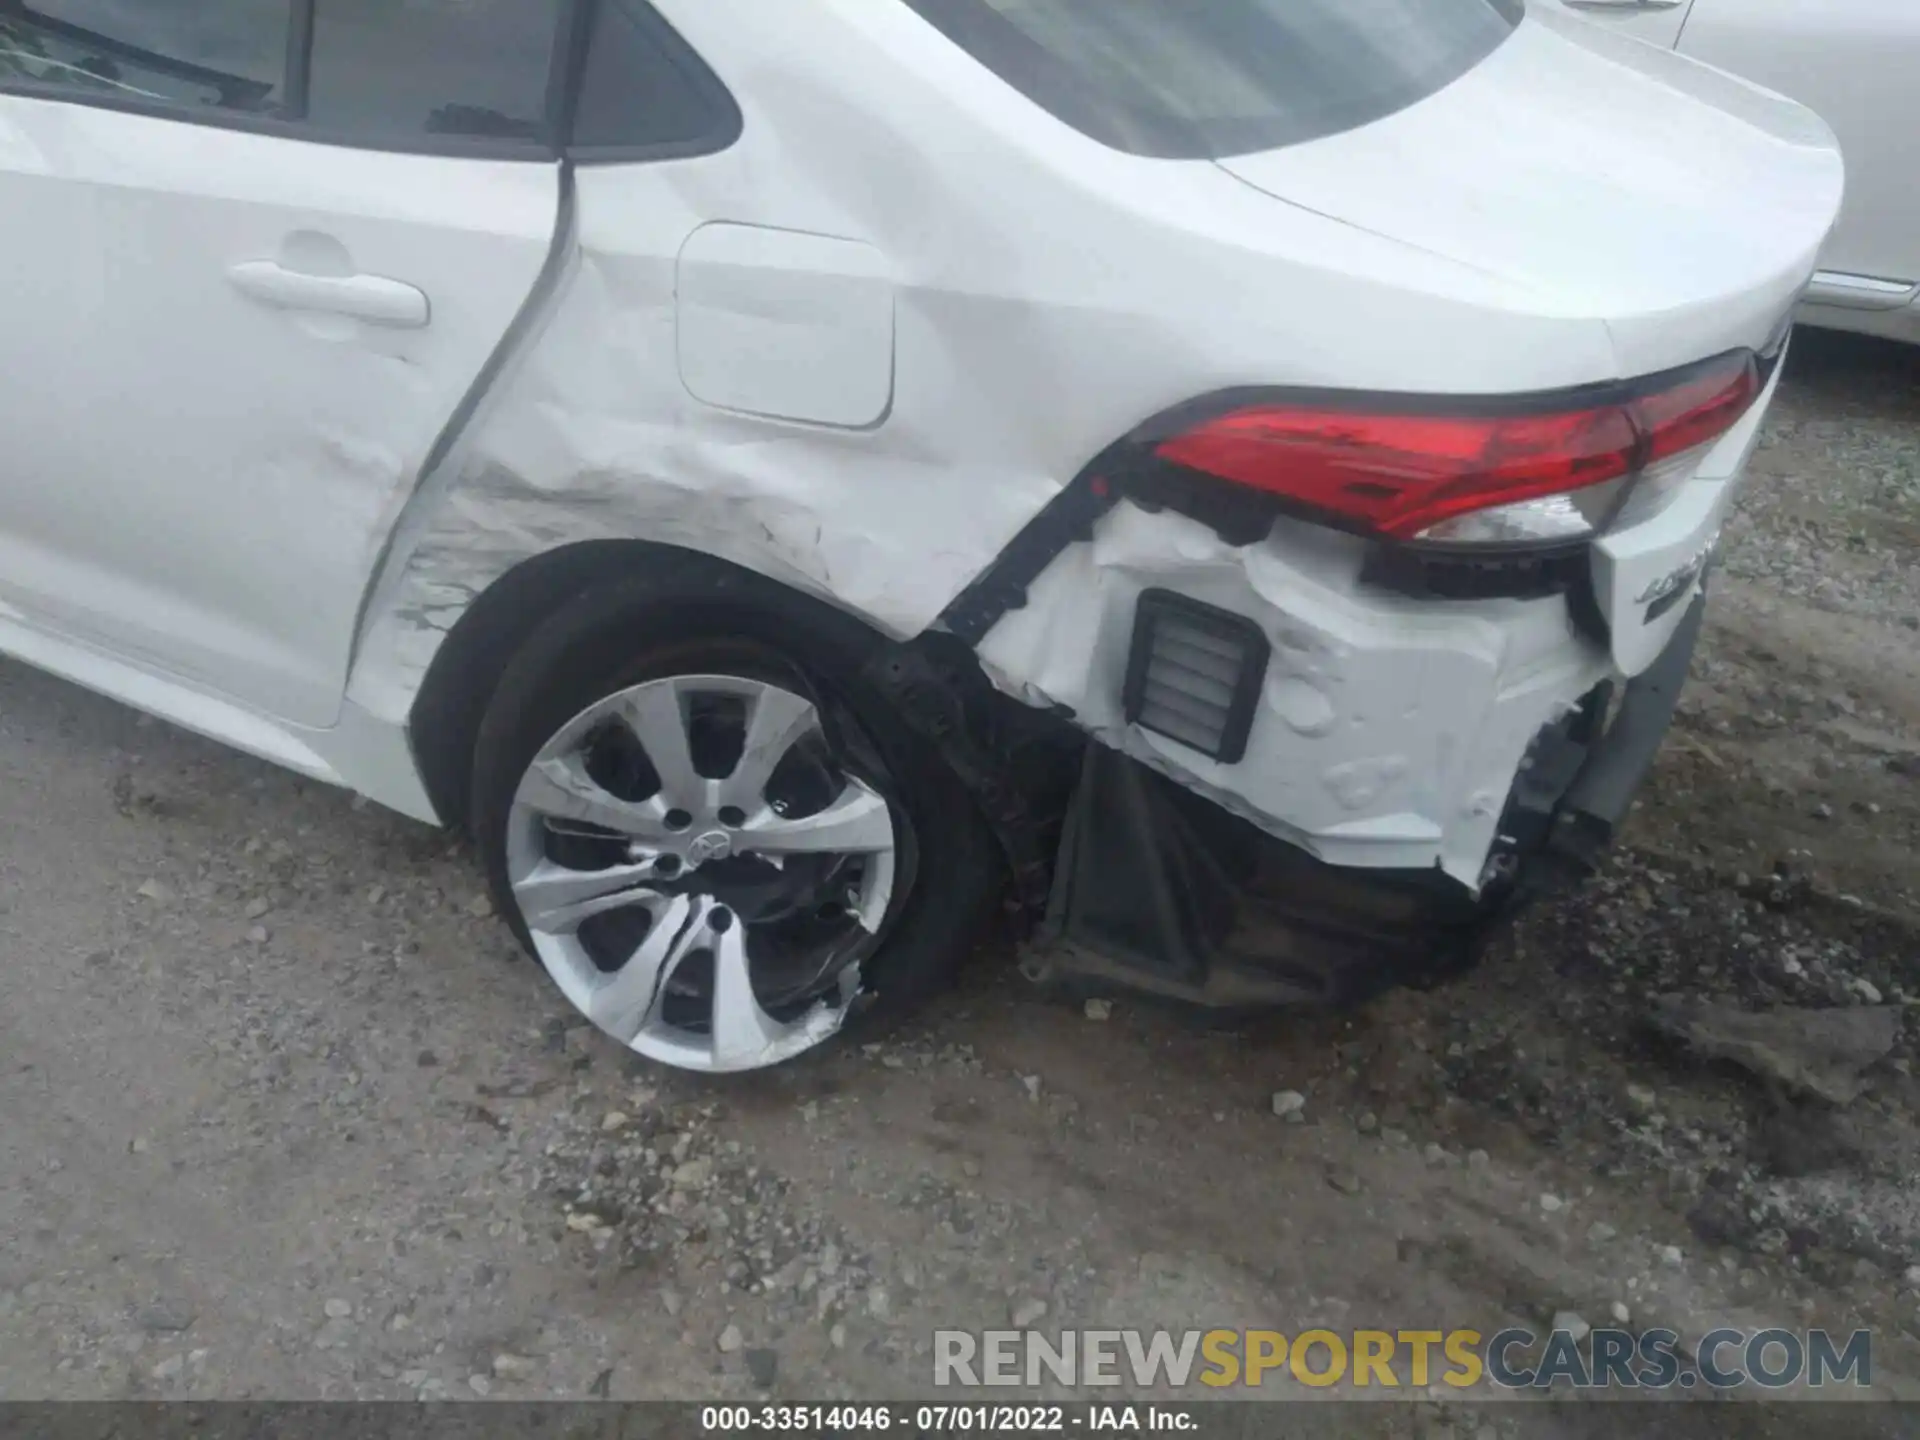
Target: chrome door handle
point(372, 298)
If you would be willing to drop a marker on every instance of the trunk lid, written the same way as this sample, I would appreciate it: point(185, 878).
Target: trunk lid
point(1680, 206)
point(1612, 181)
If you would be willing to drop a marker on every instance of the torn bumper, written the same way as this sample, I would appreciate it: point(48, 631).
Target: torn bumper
point(1613, 768)
point(1387, 729)
point(1156, 890)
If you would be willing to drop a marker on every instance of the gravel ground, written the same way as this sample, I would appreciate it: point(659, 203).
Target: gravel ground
point(284, 1115)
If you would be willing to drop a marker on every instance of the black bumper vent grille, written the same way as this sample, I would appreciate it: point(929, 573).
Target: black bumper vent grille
point(1194, 674)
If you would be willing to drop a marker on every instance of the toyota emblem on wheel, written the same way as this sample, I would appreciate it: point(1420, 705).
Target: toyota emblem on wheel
point(715, 845)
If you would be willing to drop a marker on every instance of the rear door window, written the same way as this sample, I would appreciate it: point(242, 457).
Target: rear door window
point(226, 54)
point(403, 71)
point(1201, 79)
point(644, 94)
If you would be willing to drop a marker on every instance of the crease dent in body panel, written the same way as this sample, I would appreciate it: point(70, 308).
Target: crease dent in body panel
point(411, 507)
point(588, 435)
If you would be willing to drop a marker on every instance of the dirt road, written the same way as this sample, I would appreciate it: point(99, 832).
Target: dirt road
point(283, 1114)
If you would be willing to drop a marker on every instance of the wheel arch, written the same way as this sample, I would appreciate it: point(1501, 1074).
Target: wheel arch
point(443, 724)
point(1017, 764)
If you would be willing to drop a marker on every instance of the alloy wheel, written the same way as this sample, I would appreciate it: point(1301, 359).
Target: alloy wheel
point(699, 871)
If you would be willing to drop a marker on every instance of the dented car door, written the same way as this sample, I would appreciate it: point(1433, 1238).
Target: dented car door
point(255, 273)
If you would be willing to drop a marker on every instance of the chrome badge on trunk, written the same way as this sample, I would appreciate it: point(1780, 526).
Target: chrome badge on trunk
point(1668, 590)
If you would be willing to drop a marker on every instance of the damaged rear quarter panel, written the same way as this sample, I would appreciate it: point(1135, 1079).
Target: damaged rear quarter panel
point(592, 436)
point(1019, 353)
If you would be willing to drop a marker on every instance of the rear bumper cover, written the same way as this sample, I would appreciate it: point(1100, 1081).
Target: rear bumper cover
point(1156, 890)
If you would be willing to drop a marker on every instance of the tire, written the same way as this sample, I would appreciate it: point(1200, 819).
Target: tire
point(702, 641)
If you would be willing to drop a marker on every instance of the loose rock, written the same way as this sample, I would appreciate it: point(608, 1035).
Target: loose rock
point(693, 1175)
point(165, 1317)
point(1343, 1180)
point(1572, 1325)
point(1822, 1052)
point(514, 1367)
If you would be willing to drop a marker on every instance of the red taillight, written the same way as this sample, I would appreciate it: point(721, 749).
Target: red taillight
point(1399, 474)
point(1697, 410)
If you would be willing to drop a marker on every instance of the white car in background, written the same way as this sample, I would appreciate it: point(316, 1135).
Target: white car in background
point(731, 455)
point(1857, 64)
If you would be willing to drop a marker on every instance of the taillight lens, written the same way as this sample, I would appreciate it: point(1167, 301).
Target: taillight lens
point(1696, 411)
point(1503, 475)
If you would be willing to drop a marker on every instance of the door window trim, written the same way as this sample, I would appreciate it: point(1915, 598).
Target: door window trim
point(572, 36)
point(291, 123)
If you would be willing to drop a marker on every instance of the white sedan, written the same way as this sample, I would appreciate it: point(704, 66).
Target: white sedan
point(731, 455)
point(1857, 63)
